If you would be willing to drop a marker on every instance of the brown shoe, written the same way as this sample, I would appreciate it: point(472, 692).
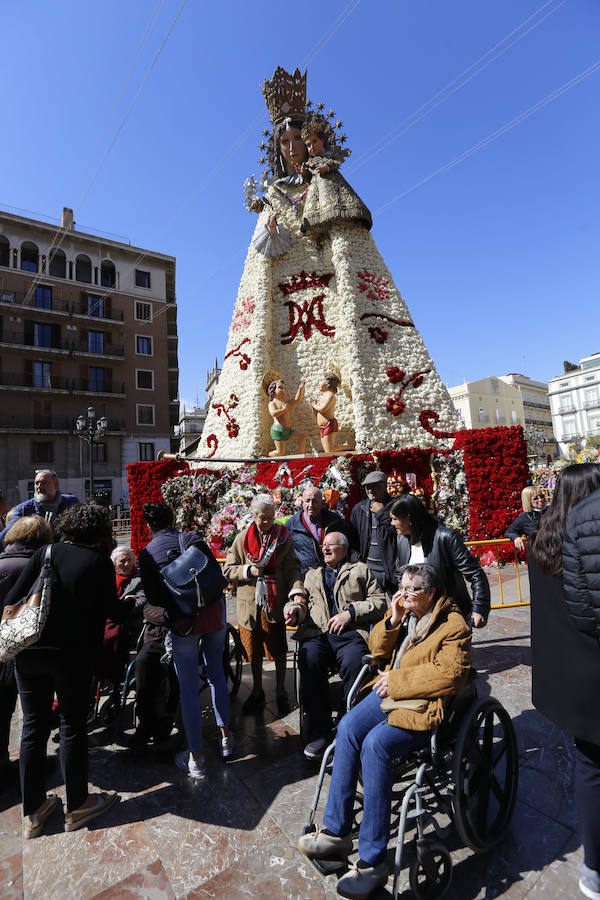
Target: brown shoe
point(33, 824)
point(94, 806)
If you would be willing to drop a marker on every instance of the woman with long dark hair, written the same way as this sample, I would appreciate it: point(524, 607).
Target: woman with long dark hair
point(566, 658)
point(62, 661)
point(421, 538)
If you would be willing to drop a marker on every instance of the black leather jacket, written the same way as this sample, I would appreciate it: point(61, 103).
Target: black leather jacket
point(581, 564)
point(445, 550)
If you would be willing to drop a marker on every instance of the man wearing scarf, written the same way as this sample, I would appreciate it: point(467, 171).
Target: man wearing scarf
point(47, 500)
point(343, 599)
point(309, 526)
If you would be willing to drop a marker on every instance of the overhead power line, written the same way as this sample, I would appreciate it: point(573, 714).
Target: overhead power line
point(495, 134)
point(452, 87)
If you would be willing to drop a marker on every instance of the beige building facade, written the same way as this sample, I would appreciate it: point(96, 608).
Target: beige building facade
point(488, 402)
point(85, 321)
point(536, 409)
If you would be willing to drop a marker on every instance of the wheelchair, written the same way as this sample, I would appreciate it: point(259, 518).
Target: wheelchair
point(109, 702)
point(468, 773)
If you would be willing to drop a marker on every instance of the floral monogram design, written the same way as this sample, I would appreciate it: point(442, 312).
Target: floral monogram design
point(302, 282)
point(243, 315)
point(376, 287)
point(306, 317)
point(233, 429)
point(396, 405)
point(243, 358)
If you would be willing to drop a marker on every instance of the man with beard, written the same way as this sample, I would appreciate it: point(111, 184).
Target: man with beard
point(47, 500)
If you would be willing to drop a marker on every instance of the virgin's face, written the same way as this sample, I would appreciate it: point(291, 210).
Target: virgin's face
point(292, 149)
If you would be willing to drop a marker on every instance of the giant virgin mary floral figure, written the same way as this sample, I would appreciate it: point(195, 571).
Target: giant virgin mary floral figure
point(316, 296)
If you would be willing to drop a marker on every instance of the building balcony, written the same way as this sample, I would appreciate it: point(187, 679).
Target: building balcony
point(16, 300)
point(16, 339)
point(51, 424)
point(592, 404)
point(482, 420)
point(566, 408)
point(569, 438)
point(536, 405)
point(11, 380)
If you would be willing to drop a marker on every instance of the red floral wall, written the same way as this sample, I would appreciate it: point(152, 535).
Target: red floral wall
point(495, 463)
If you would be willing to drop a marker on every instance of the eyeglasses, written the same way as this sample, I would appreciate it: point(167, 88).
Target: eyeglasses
point(412, 592)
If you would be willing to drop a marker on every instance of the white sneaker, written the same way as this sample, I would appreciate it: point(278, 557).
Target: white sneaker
point(195, 768)
point(227, 746)
point(589, 883)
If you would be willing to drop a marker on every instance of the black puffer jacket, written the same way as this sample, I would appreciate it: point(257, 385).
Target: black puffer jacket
point(581, 564)
point(444, 549)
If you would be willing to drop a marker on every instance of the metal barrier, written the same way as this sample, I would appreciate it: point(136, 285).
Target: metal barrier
point(495, 544)
point(121, 526)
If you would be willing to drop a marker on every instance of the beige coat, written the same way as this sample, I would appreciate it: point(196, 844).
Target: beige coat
point(354, 585)
point(287, 577)
point(435, 667)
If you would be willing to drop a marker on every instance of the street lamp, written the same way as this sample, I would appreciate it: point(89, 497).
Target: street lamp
point(91, 430)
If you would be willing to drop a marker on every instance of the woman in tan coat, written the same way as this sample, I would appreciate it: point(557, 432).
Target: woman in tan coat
point(429, 643)
point(263, 565)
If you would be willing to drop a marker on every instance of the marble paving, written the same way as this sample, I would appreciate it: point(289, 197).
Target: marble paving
point(233, 836)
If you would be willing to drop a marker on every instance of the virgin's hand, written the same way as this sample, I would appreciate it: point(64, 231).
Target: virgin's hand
point(272, 223)
point(322, 169)
point(381, 685)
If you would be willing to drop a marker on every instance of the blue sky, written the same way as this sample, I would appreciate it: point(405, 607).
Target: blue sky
point(496, 257)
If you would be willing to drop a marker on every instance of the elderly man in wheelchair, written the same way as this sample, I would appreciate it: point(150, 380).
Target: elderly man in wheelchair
point(429, 643)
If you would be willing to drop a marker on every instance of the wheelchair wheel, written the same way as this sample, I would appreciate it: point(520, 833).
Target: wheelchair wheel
point(232, 660)
point(431, 872)
point(485, 774)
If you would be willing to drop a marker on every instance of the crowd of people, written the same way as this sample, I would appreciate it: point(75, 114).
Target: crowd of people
point(392, 580)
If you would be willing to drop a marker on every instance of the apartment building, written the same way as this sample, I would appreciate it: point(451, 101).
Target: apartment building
point(191, 421)
point(487, 402)
point(536, 408)
point(86, 320)
point(575, 402)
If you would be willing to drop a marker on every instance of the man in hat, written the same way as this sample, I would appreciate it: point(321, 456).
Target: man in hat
point(370, 519)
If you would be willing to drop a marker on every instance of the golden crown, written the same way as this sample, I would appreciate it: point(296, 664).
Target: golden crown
point(285, 95)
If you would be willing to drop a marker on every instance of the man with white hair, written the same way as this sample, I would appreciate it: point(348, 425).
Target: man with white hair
point(309, 526)
point(47, 500)
point(342, 600)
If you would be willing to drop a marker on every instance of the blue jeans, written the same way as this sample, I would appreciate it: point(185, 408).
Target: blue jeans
point(185, 657)
point(364, 738)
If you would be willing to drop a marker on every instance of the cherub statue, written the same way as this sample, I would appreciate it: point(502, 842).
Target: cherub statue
point(279, 408)
point(324, 410)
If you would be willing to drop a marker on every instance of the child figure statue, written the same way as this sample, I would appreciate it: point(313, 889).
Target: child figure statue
point(279, 408)
point(324, 410)
point(329, 198)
